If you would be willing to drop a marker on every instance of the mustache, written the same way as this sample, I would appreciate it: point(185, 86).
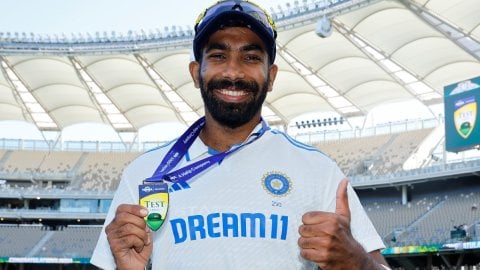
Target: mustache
point(250, 86)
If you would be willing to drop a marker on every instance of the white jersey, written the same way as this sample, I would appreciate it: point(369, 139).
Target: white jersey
point(243, 213)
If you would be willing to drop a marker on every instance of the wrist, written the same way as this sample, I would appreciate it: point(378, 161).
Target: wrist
point(368, 261)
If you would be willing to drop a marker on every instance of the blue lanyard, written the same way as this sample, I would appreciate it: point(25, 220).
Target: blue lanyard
point(180, 148)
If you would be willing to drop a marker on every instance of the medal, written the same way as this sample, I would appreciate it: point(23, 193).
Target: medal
point(154, 197)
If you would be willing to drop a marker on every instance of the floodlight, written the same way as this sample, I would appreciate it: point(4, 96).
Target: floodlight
point(324, 27)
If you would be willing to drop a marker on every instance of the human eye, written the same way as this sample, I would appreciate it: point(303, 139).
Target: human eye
point(253, 58)
point(216, 56)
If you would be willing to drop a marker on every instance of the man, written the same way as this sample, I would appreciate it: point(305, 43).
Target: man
point(242, 196)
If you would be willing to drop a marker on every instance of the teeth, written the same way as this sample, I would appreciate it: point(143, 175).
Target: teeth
point(233, 93)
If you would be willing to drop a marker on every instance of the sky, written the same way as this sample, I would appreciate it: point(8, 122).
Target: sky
point(67, 16)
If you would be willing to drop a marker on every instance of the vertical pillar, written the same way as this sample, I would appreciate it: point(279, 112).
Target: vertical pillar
point(404, 195)
point(429, 262)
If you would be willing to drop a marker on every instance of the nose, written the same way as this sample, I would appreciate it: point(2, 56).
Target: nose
point(233, 70)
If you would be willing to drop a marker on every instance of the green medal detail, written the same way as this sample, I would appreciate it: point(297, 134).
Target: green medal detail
point(154, 197)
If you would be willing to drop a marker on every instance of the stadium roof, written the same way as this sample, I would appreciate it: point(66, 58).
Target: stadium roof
point(377, 52)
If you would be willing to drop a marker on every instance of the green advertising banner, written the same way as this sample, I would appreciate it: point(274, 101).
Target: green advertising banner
point(462, 127)
point(47, 260)
point(411, 249)
point(420, 249)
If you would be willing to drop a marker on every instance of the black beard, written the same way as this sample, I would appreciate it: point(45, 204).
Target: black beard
point(233, 115)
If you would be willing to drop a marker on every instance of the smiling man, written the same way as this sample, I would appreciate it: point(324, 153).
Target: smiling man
point(234, 76)
point(242, 195)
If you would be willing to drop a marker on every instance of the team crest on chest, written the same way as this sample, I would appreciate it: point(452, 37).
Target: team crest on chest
point(276, 183)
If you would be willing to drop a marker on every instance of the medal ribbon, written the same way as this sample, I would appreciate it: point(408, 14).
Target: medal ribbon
point(180, 148)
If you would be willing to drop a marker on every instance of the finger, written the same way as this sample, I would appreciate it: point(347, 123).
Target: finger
point(313, 242)
point(125, 219)
point(146, 243)
point(129, 229)
point(323, 229)
point(129, 213)
point(317, 256)
point(126, 243)
point(133, 209)
point(342, 207)
point(316, 217)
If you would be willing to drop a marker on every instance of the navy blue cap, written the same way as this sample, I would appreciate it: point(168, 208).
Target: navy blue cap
point(235, 13)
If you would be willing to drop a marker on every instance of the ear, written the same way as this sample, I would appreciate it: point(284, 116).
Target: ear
point(273, 74)
point(194, 67)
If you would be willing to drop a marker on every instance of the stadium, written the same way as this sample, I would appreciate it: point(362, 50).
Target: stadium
point(374, 84)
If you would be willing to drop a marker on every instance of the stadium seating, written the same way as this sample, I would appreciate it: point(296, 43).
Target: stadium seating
point(22, 162)
point(392, 217)
point(71, 242)
point(59, 162)
point(401, 147)
point(96, 171)
point(456, 210)
point(102, 171)
point(18, 240)
point(428, 220)
point(374, 155)
point(40, 241)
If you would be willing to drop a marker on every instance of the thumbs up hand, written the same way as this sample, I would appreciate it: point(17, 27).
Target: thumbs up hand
point(326, 239)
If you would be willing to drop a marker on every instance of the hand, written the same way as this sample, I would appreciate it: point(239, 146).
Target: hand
point(326, 239)
point(129, 238)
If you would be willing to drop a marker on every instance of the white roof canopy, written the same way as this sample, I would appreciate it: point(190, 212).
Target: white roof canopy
point(379, 52)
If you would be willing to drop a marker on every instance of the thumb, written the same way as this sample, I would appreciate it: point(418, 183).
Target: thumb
point(149, 247)
point(342, 207)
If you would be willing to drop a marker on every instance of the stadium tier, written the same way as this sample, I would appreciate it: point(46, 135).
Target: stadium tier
point(376, 155)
